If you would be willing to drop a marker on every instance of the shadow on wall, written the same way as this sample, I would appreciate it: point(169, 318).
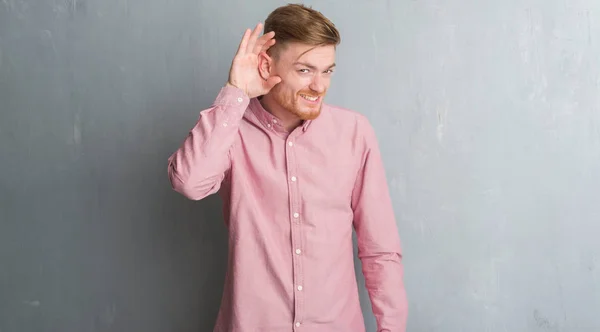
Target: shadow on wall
point(173, 253)
point(97, 239)
point(192, 233)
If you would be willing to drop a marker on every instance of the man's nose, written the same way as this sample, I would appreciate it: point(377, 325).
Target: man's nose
point(318, 84)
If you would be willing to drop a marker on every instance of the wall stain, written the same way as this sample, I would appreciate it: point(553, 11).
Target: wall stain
point(108, 316)
point(543, 322)
point(77, 129)
point(19, 7)
point(589, 27)
point(35, 303)
point(46, 36)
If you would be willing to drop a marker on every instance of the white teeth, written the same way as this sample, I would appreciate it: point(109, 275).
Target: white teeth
point(309, 98)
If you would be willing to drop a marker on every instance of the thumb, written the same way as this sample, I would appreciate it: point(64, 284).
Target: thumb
point(272, 81)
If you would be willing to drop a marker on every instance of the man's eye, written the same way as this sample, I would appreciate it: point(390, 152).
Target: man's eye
point(303, 70)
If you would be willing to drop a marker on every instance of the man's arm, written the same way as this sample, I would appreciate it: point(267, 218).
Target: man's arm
point(378, 240)
point(198, 167)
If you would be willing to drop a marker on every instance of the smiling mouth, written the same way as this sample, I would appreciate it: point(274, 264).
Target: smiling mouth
point(310, 98)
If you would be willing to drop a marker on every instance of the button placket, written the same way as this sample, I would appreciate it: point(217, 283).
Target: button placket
point(296, 228)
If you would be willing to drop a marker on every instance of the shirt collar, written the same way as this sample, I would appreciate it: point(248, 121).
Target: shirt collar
point(269, 120)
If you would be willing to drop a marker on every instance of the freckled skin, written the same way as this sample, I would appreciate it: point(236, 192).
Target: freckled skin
point(304, 71)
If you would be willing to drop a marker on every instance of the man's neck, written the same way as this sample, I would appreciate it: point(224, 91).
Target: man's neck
point(288, 120)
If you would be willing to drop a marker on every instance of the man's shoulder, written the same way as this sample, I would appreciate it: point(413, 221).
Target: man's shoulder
point(348, 116)
point(341, 111)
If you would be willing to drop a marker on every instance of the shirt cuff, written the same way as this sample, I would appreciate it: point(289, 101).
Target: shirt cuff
point(232, 97)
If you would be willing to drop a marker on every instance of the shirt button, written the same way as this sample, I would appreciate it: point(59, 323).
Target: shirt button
point(290, 143)
point(296, 215)
point(299, 288)
point(269, 125)
point(293, 178)
point(274, 121)
point(225, 124)
point(297, 324)
point(298, 251)
point(240, 99)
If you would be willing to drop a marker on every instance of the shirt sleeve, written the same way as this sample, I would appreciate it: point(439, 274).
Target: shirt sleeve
point(198, 167)
point(378, 240)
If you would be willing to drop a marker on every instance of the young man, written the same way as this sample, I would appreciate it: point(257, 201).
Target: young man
point(296, 175)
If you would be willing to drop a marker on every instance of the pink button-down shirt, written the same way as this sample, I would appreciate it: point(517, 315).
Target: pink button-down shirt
point(291, 200)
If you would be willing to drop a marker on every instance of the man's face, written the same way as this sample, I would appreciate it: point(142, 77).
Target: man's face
point(305, 73)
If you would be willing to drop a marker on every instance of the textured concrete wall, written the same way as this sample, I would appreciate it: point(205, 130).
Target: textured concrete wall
point(488, 114)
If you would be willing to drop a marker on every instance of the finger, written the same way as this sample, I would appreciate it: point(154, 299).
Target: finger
point(268, 45)
point(244, 43)
point(265, 46)
point(264, 39)
point(253, 38)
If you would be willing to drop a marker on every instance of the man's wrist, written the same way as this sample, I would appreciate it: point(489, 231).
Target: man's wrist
point(230, 85)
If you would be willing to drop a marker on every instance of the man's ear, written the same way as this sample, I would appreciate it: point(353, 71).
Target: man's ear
point(265, 65)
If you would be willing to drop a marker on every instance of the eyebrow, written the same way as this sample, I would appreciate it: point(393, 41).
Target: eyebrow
point(311, 66)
